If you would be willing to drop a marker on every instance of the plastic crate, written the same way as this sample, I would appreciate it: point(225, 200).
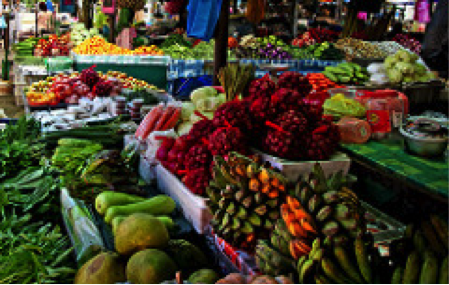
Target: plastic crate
point(193, 206)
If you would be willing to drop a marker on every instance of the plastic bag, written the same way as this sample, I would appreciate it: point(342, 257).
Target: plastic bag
point(374, 68)
point(85, 237)
point(379, 79)
point(155, 140)
point(340, 106)
point(203, 17)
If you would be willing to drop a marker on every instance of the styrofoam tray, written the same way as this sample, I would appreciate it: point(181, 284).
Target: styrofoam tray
point(193, 206)
point(294, 169)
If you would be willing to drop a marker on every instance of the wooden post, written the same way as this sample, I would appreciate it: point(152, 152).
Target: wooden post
point(112, 27)
point(36, 12)
point(221, 41)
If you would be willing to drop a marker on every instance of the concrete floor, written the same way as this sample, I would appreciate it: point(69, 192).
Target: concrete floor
point(7, 103)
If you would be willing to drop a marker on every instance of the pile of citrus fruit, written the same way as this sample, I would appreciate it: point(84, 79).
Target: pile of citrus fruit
point(99, 46)
point(151, 50)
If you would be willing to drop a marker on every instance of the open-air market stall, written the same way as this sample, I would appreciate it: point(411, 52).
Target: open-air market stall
point(310, 161)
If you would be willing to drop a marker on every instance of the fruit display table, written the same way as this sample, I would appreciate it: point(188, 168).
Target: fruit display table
point(396, 177)
point(152, 69)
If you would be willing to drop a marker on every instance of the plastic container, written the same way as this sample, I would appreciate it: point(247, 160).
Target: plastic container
point(354, 130)
point(193, 206)
point(295, 169)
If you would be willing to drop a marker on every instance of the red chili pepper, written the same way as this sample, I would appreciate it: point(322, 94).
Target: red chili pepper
point(321, 130)
point(276, 127)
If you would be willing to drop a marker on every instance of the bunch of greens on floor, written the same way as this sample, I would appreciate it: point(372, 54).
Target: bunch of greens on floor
point(18, 147)
point(31, 250)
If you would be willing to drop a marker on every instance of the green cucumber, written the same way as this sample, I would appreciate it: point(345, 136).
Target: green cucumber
point(107, 199)
point(158, 205)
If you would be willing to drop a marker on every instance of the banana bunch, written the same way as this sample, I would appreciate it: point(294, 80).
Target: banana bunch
point(422, 256)
point(355, 261)
point(244, 198)
point(300, 225)
point(317, 207)
point(273, 256)
point(347, 73)
point(326, 208)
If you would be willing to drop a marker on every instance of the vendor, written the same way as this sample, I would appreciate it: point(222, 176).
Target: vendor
point(435, 46)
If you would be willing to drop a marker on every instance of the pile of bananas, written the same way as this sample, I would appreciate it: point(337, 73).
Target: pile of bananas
point(244, 199)
point(422, 256)
point(354, 261)
point(317, 208)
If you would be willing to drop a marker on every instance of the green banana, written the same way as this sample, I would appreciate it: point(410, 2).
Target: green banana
point(314, 203)
point(412, 267)
point(350, 225)
point(317, 255)
point(255, 220)
point(444, 277)
point(333, 272)
point(306, 271)
point(324, 213)
point(346, 264)
point(419, 242)
point(441, 229)
point(432, 239)
point(300, 263)
point(321, 279)
point(409, 230)
point(316, 245)
point(397, 275)
point(361, 254)
point(330, 228)
point(429, 270)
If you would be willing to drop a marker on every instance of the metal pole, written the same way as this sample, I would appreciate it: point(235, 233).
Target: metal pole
point(221, 41)
point(295, 18)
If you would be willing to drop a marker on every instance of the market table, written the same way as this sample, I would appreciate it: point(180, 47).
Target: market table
point(397, 179)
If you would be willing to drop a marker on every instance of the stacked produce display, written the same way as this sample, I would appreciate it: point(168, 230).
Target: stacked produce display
point(80, 188)
point(87, 84)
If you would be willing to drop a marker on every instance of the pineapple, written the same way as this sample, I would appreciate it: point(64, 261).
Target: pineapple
point(244, 199)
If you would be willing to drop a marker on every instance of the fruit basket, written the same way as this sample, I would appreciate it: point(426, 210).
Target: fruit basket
point(193, 206)
point(294, 169)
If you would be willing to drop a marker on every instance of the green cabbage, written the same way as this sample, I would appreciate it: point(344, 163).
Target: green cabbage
point(390, 62)
point(202, 93)
point(405, 68)
point(187, 110)
point(208, 104)
point(184, 128)
point(394, 75)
